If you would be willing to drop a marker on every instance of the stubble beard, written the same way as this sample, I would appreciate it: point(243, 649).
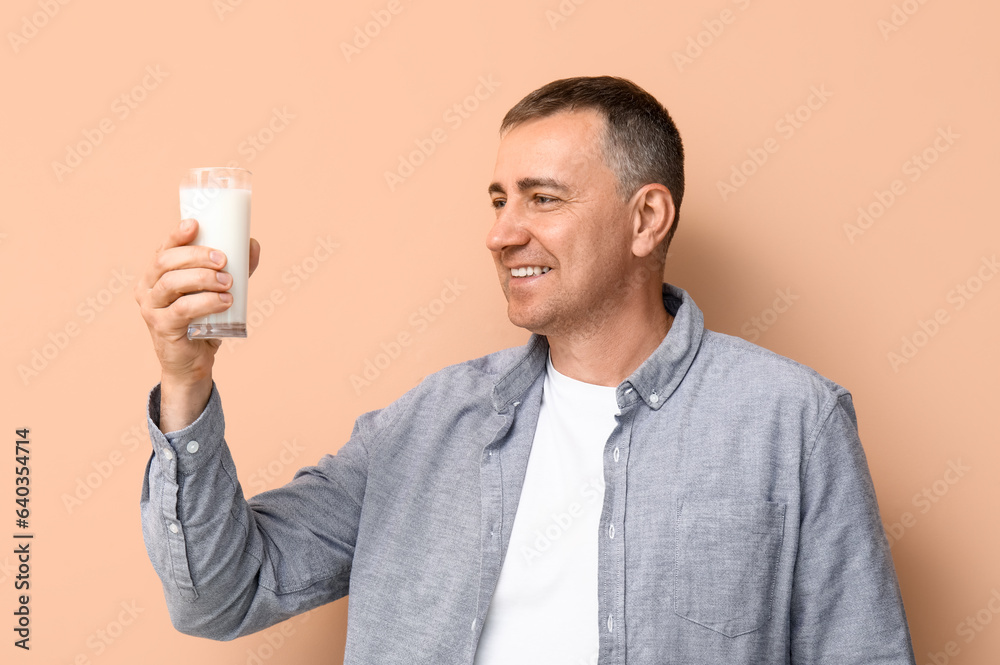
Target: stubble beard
point(556, 317)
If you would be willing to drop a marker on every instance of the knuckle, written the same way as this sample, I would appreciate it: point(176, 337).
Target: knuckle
point(152, 319)
point(181, 307)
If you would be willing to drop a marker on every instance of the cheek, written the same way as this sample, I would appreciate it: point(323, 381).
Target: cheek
point(609, 243)
point(501, 270)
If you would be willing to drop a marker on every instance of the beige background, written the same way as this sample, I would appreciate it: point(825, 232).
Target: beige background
point(72, 235)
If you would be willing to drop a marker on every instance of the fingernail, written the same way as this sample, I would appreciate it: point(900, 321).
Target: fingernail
point(226, 297)
point(217, 257)
point(223, 277)
point(186, 225)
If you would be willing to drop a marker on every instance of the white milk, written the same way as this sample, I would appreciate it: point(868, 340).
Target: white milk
point(223, 223)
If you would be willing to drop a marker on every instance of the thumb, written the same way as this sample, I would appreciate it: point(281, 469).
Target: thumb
point(254, 254)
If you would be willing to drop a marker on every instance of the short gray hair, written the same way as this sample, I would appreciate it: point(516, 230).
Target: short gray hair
point(641, 144)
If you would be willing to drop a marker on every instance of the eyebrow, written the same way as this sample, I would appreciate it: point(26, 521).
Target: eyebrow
point(525, 184)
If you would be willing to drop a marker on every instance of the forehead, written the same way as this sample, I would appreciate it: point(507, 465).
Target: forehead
point(568, 142)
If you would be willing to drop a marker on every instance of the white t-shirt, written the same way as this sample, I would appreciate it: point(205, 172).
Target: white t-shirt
point(544, 610)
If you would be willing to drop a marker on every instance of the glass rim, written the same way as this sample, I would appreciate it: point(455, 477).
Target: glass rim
point(217, 168)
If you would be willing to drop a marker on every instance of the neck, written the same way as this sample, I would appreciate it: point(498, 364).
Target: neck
point(614, 348)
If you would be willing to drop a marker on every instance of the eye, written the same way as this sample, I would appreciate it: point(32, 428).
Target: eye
point(498, 203)
point(541, 198)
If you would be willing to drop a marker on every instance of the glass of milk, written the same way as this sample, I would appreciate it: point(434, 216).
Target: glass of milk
point(219, 198)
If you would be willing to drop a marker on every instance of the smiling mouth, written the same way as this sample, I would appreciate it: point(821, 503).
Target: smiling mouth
point(530, 271)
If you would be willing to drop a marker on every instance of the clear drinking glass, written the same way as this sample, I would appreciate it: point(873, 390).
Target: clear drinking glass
point(219, 198)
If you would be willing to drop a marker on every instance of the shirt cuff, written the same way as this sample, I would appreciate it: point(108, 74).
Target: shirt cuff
point(185, 450)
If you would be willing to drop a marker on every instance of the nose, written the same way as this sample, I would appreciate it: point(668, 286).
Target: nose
point(508, 230)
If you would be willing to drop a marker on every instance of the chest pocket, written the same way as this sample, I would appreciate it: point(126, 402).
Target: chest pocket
point(725, 562)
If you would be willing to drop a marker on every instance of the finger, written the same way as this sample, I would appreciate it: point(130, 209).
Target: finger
point(180, 258)
point(184, 233)
point(254, 254)
point(188, 256)
point(176, 317)
point(177, 283)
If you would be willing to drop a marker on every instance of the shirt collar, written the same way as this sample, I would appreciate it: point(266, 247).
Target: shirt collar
point(653, 381)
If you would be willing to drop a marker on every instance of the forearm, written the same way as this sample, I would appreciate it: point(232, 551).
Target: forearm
point(182, 400)
point(195, 524)
point(230, 567)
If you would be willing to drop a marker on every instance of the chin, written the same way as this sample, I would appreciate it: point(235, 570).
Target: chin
point(519, 317)
point(531, 322)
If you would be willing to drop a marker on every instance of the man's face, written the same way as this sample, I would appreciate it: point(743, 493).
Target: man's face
point(557, 208)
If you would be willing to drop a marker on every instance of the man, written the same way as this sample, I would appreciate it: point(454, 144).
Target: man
point(689, 497)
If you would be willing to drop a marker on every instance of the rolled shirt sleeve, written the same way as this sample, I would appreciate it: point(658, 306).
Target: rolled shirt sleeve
point(229, 566)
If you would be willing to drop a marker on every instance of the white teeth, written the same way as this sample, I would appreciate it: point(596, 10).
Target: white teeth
point(527, 272)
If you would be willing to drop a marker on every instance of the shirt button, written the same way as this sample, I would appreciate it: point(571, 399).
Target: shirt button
point(616, 453)
point(192, 447)
point(654, 398)
point(611, 531)
point(169, 454)
point(173, 528)
point(611, 623)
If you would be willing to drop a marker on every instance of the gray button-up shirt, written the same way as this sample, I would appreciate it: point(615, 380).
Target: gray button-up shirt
point(746, 528)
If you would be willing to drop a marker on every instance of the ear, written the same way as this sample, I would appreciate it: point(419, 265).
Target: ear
point(653, 215)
